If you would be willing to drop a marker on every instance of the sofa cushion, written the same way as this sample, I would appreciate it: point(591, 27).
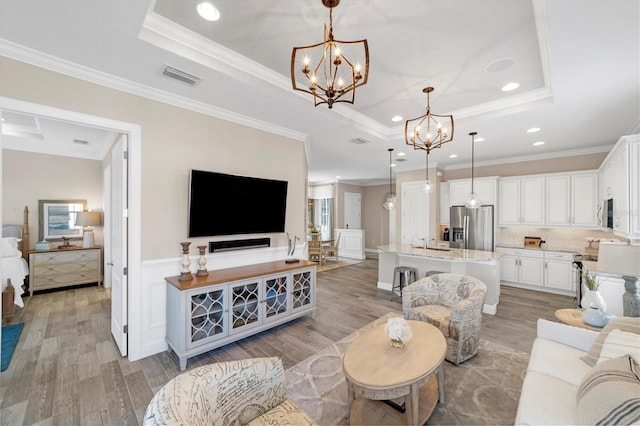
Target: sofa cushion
point(287, 413)
point(628, 324)
point(558, 360)
point(546, 400)
point(610, 393)
point(620, 343)
point(437, 315)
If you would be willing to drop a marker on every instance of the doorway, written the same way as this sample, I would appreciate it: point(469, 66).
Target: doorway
point(129, 307)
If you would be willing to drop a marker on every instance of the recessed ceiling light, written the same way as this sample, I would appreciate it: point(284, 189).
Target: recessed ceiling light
point(393, 165)
point(533, 130)
point(208, 11)
point(453, 156)
point(401, 154)
point(538, 143)
point(479, 139)
point(337, 177)
point(396, 118)
point(510, 86)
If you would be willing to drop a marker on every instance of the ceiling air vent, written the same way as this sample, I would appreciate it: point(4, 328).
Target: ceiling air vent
point(180, 75)
point(359, 141)
point(80, 142)
point(400, 160)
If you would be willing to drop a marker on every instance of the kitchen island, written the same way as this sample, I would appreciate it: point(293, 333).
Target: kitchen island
point(483, 265)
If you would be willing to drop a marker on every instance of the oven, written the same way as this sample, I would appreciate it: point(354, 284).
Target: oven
point(578, 266)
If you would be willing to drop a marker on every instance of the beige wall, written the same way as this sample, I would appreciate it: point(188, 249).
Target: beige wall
point(28, 177)
point(551, 165)
point(375, 218)
point(174, 140)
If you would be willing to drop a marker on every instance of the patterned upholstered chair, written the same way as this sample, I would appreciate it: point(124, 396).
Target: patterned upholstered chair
point(244, 392)
point(453, 303)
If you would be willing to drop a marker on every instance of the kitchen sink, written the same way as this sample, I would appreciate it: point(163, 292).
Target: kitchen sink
point(420, 246)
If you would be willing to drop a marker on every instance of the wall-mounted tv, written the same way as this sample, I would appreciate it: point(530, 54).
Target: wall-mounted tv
point(222, 204)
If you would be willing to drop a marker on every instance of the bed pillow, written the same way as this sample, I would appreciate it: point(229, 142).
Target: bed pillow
point(10, 247)
point(610, 393)
point(627, 324)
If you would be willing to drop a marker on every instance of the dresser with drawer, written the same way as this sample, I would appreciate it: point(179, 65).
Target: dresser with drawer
point(64, 267)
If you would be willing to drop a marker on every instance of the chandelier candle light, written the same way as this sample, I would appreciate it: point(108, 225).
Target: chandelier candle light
point(473, 201)
point(334, 75)
point(399, 331)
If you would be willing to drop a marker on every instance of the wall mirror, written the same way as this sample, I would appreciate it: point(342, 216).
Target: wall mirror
point(58, 219)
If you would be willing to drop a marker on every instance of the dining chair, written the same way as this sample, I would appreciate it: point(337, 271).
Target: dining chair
point(316, 251)
point(332, 249)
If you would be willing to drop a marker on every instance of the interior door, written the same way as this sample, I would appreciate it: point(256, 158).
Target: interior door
point(118, 261)
point(352, 208)
point(415, 213)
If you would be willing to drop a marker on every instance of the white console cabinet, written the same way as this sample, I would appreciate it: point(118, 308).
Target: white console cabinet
point(230, 304)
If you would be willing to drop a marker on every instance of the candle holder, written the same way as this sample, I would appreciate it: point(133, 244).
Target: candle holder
point(185, 275)
point(202, 262)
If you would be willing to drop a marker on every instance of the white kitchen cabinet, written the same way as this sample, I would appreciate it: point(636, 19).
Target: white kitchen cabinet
point(485, 187)
point(522, 266)
point(620, 175)
point(230, 304)
point(444, 203)
point(572, 199)
point(558, 271)
point(521, 201)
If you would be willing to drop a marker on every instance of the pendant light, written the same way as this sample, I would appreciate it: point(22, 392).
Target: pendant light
point(427, 182)
point(391, 198)
point(473, 201)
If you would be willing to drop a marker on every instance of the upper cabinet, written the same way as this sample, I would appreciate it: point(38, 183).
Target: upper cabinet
point(444, 203)
point(485, 187)
point(620, 180)
point(572, 199)
point(521, 201)
point(557, 200)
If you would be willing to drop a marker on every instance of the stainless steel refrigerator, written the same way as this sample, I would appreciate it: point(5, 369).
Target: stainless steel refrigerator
point(471, 228)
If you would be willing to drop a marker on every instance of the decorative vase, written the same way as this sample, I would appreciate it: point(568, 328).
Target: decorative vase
point(397, 343)
point(593, 299)
point(595, 317)
point(202, 262)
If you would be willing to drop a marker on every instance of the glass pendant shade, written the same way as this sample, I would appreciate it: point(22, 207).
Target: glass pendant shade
point(472, 201)
point(427, 186)
point(390, 203)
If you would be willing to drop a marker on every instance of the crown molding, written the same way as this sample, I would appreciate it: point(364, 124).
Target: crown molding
point(535, 157)
point(33, 57)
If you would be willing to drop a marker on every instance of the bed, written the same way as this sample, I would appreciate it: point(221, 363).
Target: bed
point(15, 244)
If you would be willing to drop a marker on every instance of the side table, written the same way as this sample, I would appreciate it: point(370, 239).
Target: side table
point(573, 317)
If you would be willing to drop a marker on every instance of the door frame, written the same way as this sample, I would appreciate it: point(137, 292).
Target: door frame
point(134, 256)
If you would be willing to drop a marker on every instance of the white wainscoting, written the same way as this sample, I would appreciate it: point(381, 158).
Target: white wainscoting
point(154, 287)
point(351, 243)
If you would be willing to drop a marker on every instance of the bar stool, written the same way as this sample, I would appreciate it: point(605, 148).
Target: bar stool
point(402, 276)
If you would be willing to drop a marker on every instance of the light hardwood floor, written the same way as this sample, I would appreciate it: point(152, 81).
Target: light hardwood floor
point(67, 371)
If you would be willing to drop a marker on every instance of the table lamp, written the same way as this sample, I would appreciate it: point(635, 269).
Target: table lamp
point(88, 220)
point(624, 260)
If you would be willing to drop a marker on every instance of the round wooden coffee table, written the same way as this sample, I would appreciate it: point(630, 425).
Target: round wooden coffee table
point(376, 371)
point(574, 317)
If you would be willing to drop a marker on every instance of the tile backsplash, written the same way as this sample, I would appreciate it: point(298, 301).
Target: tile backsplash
point(569, 239)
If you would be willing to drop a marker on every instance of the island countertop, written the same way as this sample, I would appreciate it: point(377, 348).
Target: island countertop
point(451, 254)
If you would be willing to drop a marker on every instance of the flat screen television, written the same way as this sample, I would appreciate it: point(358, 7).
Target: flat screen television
point(222, 204)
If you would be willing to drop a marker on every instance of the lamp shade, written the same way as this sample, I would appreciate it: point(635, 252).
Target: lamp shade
point(622, 259)
point(88, 219)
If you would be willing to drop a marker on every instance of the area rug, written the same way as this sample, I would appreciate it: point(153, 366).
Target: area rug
point(483, 390)
point(10, 336)
point(328, 266)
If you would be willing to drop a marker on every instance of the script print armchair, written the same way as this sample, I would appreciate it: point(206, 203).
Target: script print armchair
point(453, 303)
point(243, 392)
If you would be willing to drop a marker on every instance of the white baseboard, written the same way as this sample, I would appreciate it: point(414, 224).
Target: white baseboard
point(490, 309)
point(385, 286)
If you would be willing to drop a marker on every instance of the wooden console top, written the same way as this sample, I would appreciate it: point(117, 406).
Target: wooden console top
point(227, 275)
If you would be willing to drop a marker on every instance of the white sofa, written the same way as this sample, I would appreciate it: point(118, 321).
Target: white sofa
point(554, 373)
point(578, 376)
